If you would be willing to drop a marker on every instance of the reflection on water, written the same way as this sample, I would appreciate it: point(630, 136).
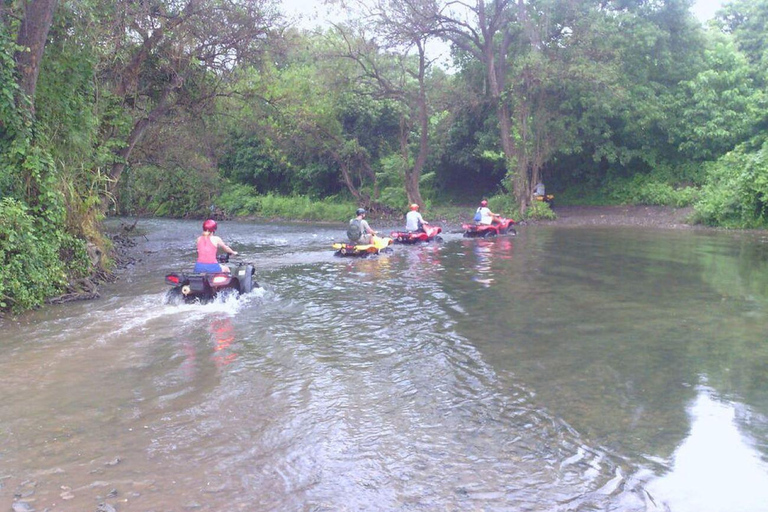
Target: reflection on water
point(484, 252)
point(557, 370)
point(223, 335)
point(717, 467)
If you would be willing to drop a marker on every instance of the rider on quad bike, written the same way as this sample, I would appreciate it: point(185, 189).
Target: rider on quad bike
point(484, 215)
point(207, 246)
point(413, 219)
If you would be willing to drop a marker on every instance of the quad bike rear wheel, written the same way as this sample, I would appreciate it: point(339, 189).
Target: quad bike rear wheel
point(173, 297)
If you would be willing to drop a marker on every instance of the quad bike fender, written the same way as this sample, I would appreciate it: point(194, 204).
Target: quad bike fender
point(244, 276)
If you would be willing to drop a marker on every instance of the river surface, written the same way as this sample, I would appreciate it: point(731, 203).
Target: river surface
point(560, 369)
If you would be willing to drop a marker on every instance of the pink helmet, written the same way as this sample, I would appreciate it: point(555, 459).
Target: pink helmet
point(483, 203)
point(209, 225)
point(414, 206)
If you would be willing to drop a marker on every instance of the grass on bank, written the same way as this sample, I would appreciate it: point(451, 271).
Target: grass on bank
point(239, 203)
point(242, 202)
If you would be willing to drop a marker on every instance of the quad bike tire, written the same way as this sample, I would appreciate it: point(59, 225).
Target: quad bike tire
point(225, 293)
point(173, 297)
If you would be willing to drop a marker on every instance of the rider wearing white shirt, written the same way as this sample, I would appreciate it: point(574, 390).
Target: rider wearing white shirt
point(413, 219)
point(486, 215)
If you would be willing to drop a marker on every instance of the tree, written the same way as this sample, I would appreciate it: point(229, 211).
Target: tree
point(404, 28)
point(168, 54)
point(747, 21)
point(309, 111)
point(36, 20)
point(718, 108)
point(486, 31)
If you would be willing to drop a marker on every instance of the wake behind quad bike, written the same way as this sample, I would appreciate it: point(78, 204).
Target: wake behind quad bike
point(429, 234)
point(204, 287)
point(377, 245)
point(500, 226)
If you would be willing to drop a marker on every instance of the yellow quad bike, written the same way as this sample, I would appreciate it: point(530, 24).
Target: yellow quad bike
point(548, 198)
point(377, 245)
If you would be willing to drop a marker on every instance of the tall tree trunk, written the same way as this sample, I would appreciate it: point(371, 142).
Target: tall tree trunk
point(346, 175)
point(33, 32)
point(356, 161)
point(412, 172)
point(413, 176)
point(496, 81)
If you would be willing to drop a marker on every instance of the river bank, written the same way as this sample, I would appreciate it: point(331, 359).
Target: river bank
point(665, 217)
point(662, 217)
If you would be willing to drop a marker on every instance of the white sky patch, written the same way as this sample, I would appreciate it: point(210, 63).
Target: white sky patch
point(705, 9)
point(309, 14)
point(315, 12)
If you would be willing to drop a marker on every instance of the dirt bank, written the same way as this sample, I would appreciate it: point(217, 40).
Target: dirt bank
point(664, 217)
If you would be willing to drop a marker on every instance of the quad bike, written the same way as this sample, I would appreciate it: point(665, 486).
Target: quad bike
point(548, 198)
point(204, 287)
point(429, 234)
point(500, 226)
point(377, 245)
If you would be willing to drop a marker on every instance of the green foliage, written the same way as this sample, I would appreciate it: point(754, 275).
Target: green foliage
point(717, 108)
point(469, 157)
point(505, 205)
point(12, 120)
point(252, 160)
point(36, 251)
point(539, 210)
point(645, 189)
point(736, 193)
point(583, 195)
point(747, 21)
point(391, 179)
point(242, 201)
point(30, 265)
point(174, 192)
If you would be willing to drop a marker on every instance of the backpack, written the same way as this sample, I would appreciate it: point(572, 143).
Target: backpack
point(478, 215)
point(355, 230)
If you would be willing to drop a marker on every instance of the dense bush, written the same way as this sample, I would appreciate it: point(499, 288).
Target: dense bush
point(175, 192)
point(31, 269)
point(540, 210)
point(242, 200)
point(736, 194)
point(649, 190)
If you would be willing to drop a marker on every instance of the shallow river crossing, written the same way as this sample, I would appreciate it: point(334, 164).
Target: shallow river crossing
point(560, 369)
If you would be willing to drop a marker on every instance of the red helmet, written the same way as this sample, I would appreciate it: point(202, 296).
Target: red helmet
point(483, 203)
point(209, 225)
point(414, 206)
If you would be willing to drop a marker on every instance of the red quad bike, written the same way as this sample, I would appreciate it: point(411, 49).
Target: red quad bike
point(500, 226)
point(412, 237)
point(204, 287)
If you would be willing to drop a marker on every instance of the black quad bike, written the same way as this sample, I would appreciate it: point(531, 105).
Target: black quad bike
point(203, 287)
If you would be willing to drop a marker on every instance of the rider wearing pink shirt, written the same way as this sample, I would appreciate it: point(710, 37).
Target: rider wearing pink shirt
point(207, 246)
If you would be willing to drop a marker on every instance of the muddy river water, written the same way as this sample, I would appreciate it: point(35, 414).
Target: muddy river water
point(560, 369)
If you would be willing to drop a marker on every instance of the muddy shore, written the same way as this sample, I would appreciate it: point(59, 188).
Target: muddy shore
point(660, 217)
point(664, 217)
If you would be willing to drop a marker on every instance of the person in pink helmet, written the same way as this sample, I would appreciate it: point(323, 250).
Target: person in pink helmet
point(484, 215)
point(208, 245)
